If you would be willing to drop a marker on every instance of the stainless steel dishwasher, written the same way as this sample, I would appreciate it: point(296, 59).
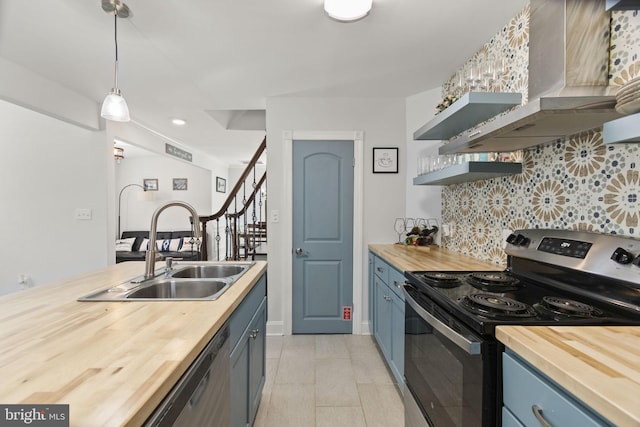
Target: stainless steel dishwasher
point(201, 397)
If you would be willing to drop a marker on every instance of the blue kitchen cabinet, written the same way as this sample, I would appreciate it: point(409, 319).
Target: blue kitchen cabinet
point(387, 304)
point(248, 355)
point(526, 391)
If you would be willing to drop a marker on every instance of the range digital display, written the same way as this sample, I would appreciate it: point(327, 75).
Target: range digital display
point(565, 247)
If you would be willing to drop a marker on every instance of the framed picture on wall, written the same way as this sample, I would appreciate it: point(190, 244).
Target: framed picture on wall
point(385, 160)
point(180, 184)
point(150, 184)
point(221, 185)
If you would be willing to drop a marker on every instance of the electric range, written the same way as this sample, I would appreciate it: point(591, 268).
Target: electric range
point(553, 277)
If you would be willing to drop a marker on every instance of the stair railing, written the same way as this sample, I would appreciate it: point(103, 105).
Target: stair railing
point(242, 215)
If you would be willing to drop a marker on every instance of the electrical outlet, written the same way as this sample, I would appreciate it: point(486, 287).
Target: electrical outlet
point(23, 281)
point(446, 231)
point(82, 214)
point(275, 216)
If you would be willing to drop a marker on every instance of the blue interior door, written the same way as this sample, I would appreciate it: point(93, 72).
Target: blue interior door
point(322, 237)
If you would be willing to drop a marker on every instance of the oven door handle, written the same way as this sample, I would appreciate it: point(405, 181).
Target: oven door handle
point(469, 346)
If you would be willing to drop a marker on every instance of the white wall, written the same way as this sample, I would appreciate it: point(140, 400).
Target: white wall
point(422, 201)
point(383, 122)
point(135, 214)
point(48, 169)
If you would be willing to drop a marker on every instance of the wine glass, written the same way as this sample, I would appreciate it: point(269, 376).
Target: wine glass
point(400, 227)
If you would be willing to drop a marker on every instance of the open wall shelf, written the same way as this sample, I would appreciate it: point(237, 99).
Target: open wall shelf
point(468, 171)
point(473, 108)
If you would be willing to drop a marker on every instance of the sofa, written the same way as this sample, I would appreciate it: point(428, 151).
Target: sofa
point(176, 244)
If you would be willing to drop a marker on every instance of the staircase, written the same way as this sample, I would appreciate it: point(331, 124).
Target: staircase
point(239, 227)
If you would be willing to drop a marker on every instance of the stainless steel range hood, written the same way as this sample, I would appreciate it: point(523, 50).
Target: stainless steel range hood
point(568, 81)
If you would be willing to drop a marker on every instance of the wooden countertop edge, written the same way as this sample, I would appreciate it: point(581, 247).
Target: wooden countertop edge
point(424, 258)
point(576, 359)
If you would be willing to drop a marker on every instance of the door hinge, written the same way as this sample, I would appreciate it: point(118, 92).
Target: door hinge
point(353, 163)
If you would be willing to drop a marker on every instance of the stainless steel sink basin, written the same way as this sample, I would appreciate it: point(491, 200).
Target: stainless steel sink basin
point(185, 281)
point(209, 271)
point(180, 289)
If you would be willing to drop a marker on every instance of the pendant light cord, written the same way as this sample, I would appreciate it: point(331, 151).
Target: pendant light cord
point(115, 32)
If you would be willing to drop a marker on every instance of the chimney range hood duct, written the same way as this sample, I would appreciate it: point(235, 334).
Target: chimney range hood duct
point(568, 81)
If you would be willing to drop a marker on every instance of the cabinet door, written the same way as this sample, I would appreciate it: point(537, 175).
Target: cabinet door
point(257, 355)
point(240, 383)
point(397, 339)
point(383, 317)
point(371, 293)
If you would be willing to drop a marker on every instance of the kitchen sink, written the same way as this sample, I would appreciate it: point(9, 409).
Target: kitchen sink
point(209, 271)
point(184, 281)
point(180, 289)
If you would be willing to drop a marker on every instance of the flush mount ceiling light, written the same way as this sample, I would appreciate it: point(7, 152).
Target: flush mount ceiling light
point(178, 122)
point(114, 106)
point(347, 10)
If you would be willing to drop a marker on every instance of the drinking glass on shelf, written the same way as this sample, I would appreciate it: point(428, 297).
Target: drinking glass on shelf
point(400, 226)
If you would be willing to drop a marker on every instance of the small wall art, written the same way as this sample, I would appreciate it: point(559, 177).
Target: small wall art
point(221, 185)
point(385, 160)
point(150, 184)
point(180, 184)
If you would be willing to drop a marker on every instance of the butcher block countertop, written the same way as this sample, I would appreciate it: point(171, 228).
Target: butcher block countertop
point(112, 362)
point(600, 365)
point(411, 258)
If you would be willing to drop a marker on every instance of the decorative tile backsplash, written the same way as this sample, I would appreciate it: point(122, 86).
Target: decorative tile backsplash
point(624, 64)
point(578, 183)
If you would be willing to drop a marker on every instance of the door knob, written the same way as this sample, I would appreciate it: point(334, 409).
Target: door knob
point(299, 251)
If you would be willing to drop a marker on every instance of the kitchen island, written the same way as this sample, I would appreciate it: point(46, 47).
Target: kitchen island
point(598, 365)
point(112, 362)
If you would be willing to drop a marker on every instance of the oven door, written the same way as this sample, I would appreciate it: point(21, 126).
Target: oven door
point(450, 372)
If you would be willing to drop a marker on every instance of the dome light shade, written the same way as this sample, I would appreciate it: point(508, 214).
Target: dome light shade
point(347, 10)
point(115, 107)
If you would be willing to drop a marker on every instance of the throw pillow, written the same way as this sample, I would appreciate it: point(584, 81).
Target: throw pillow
point(144, 246)
point(169, 245)
point(125, 245)
point(187, 246)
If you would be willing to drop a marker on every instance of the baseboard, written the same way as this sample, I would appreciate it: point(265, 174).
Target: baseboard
point(275, 328)
point(366, 328)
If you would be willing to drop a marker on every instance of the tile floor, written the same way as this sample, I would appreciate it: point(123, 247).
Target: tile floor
point(327, 380)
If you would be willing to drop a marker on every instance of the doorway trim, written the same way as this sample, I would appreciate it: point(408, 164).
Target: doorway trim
point(358, 195)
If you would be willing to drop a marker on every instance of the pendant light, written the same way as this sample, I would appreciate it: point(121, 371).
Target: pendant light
point(114, 106)
point(347, 10)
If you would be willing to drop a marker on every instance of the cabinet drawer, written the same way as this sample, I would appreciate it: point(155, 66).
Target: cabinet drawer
point(396, 279)
point(524, 388)
point(244, 313)
point(381, 269)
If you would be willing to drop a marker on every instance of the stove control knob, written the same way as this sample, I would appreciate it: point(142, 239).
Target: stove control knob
point(511, 238)
point(521, 240)
point(636, 261)
point(622, 256)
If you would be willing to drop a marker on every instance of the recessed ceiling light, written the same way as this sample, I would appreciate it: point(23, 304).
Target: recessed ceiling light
point(179, 122)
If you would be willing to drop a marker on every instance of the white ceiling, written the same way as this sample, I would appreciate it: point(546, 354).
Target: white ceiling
point(198, 59)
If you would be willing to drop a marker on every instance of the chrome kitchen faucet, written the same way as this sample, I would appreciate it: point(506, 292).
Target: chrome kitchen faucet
point(150, 258)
